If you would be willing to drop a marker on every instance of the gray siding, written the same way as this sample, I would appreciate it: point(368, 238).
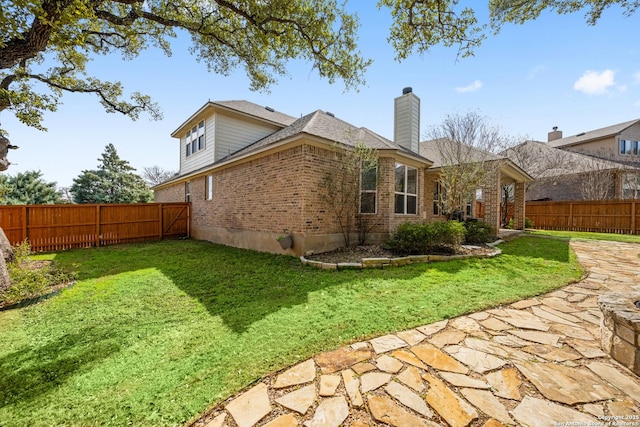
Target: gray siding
point(232, 134)
point(203, 157)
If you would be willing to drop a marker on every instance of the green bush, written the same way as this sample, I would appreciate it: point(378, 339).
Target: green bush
point(435, 237)
point(29, 278)
point(479, 232)
point(528, 223)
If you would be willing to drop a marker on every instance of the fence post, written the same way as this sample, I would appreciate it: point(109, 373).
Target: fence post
point(570, 216)
point(25, 232)
point(97, 225)
point(161, 220)
point(633, 216)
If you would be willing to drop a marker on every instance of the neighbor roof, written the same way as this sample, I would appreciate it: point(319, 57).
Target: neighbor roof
point(594, 134)
point(245, 108)
point(549, 161)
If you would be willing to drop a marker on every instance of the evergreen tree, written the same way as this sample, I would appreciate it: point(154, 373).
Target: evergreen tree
point(28, 188)
point(114, 181)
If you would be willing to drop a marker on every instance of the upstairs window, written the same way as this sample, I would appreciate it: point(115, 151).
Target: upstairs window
point(628, 147)
point(368, 190)
point(194, 139)
point(406, 186)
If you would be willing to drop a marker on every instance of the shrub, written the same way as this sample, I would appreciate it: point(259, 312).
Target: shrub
point(479, 232)
point(29, 278)
point(415, 239)
point(528, 223)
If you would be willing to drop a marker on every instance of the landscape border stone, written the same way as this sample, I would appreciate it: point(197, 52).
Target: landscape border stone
point(397, 262)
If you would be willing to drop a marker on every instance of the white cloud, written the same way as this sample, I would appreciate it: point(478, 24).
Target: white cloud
point(636, 78)
point(595, 83)
point(538, 69)
point(475, 86)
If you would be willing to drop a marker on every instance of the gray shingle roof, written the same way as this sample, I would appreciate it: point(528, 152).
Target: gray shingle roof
point(256, 110)
point(432, 150)
point(541, 160)
point(328, 127)
point(594, 134)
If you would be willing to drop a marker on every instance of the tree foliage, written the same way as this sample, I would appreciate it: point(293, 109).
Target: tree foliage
point(340, 190)
point(465, 146)
point(519, 12)
point(28, 188)
point(155, 175)
point(112, 182)
point(45, 45)
point(51, 42)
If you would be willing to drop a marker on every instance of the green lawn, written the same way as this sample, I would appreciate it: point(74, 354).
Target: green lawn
point(153, 334)
point(627, 238)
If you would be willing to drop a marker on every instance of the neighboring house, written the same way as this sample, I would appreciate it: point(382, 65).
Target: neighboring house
point(596, 165)
point(253, 174)
point(618, 143)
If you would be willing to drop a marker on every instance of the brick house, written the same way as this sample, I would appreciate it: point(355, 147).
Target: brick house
point(599, 164)
point(253, 174)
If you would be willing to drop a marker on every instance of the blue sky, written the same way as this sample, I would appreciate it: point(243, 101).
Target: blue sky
point(555, 71)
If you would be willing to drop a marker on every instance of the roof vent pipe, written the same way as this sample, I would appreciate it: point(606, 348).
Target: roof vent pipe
point(328, 113)
point(269, 109)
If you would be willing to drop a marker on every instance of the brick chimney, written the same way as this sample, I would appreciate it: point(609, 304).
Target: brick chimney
point(406, 129)
point(554, 134)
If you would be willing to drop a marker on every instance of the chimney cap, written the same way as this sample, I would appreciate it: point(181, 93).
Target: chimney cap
point(555, 128)
point(407, 90)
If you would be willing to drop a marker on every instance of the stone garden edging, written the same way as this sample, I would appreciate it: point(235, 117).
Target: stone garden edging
point(396, 262)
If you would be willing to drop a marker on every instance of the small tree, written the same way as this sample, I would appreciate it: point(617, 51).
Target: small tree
point(28, 188)
point(464, 144)
point(155, 175)
point(341, 188)
point(113, 182)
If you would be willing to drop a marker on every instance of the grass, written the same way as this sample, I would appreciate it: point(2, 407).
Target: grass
point(153, 334)
point(625, 238)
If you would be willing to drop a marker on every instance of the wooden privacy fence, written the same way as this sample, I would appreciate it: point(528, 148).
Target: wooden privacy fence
point(607, 216)
point(58, 227)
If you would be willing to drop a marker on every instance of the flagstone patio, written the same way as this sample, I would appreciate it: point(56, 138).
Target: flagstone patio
point(537, 362)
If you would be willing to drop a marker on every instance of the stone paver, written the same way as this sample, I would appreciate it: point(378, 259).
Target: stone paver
point(329, 384)
point(389, 364)
point(299, 374)
point(387, 343)
point(536, 362)
point(534, 412)
point(299, 400)
point(251, 406)
point(408, 398)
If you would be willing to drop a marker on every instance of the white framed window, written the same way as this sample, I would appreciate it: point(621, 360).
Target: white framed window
point(438, 195)
point(406, 190)
point(208, 187)
point(369, 191)
point(187, 191)
point(195, 139)
point(628, 147)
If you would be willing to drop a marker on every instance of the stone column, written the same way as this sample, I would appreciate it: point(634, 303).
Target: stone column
point(519, 205)
point(492, 196)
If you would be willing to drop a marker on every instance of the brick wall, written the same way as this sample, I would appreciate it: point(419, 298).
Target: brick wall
point(175, 193)
point(283, 191)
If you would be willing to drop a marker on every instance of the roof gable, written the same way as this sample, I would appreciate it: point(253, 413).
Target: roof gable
point(244, 108)
point(593, 134)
